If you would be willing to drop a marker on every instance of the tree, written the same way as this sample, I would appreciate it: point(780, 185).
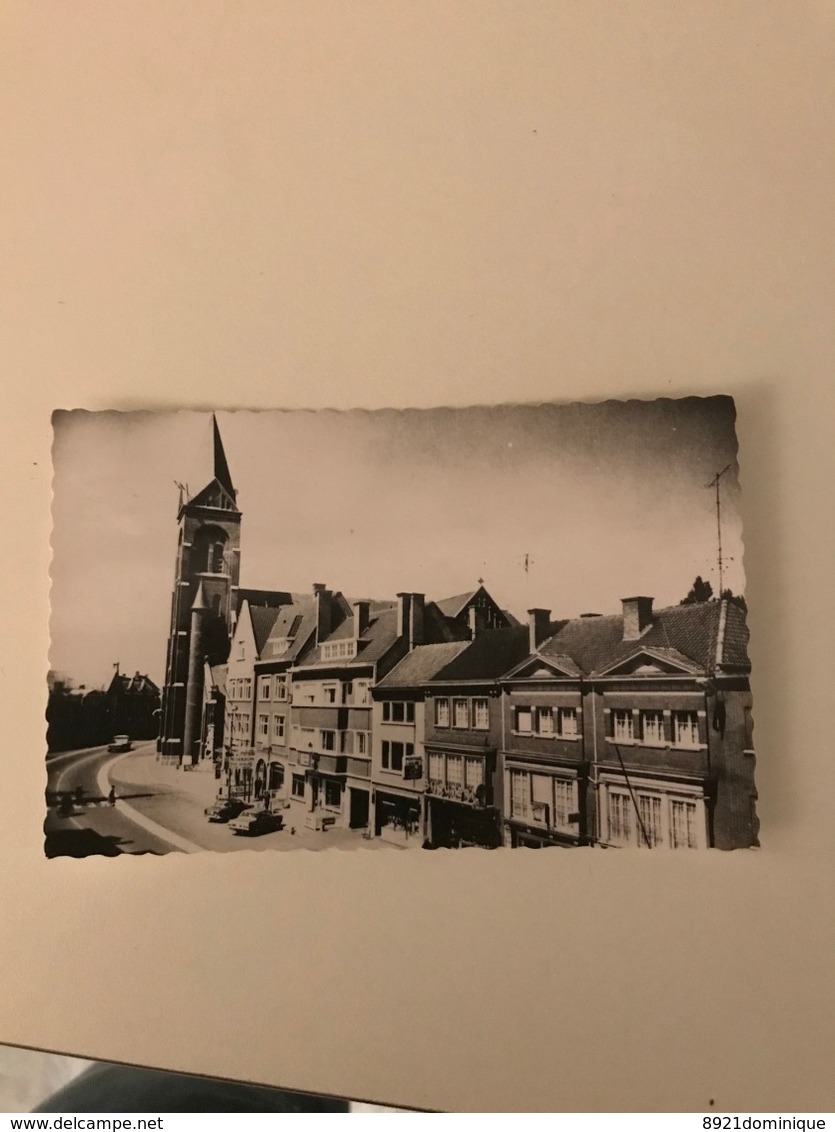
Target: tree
point(736, 599)
point(700, 591)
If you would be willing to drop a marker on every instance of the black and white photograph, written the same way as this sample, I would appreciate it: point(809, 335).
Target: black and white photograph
point(518, 626)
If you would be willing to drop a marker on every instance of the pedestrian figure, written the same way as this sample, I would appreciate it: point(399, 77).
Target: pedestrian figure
point(111, 797)
point(79, 795)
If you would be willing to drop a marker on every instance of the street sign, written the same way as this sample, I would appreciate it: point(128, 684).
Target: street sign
point(242, 759)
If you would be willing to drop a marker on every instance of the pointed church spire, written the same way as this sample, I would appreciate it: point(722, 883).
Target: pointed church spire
point(222, 474)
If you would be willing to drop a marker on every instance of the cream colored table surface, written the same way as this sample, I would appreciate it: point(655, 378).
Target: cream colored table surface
point(390, 203)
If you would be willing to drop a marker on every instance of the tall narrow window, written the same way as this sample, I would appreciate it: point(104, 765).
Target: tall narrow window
point(649, 807)
point(652, 728)
point(442, 713)
point(455, 770)
point(682, 824)
point(685, 729)
point(545, 722)
point(567, 722)
point(620, 817)
point(520, 791)
point(460, 714)
point(481, 715)
point(622, 726)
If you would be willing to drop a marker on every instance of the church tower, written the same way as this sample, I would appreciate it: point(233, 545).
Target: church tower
point(203, 605)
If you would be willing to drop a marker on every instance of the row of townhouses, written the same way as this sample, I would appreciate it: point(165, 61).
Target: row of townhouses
point(448, 723)
point(444, 724)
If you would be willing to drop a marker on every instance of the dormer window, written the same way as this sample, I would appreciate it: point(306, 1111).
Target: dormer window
point(339, 650)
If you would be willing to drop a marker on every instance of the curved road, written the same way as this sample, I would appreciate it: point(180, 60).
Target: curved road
point(95, 827)
point(159, 809)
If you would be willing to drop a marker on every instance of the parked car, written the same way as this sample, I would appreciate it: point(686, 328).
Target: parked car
point(224, 809)
point(254, 821)
point(120, 743)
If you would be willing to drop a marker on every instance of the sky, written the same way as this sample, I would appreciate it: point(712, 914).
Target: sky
point(604, 501)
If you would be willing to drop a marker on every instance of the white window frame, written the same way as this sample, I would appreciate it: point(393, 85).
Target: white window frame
point(669, 800)
point(477, 703)
point(442, 709)
point(655, 737)
point(692, 727)
point(567, 713)
point(457, 702)
point(623, 725)
point(265, 688)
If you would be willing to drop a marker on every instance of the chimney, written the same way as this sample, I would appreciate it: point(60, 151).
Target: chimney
point(472, 622)
point(404, 614)
point(416, 620)
point(324, 610)
point(360, 611)
point(539, 627)
point(637, 615)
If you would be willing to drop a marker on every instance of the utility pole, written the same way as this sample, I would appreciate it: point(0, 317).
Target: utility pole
point(715, 483)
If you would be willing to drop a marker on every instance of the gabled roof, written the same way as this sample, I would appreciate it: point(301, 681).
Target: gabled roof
point(452, 606)
point(263, 618)
point(137, 685)
point(551, 667)
point(490, 655)
point(666, 658)
point(421, 664)
point(689, 633)
point(213, 495)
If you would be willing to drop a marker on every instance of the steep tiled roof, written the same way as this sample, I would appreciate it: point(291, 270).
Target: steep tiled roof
point(735, 639)
point(452, 606)
point(263, 618)
point(493, 653)
point(273, 598)
point(686, 631)
point(421, 664)
point(345, 631)
point(378, 637)
point(295, 622)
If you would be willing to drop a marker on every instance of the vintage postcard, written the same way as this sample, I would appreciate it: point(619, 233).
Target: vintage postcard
point(520, 626)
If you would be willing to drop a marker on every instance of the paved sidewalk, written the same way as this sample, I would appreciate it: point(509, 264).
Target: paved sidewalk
point(141, 768)
point(175, 800)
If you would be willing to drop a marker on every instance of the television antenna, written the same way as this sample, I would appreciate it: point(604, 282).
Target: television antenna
point(715, 483)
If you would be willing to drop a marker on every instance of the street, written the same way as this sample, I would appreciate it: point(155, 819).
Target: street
point(159, 809)
point(95, 827)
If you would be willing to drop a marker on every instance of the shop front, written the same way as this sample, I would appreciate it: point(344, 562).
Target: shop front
point(397, 817)
point(453, 824)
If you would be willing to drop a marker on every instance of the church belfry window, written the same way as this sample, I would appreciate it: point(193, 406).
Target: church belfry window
point(215, 558)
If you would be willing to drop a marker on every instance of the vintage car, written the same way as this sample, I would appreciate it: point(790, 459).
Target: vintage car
point(255, 820)
point(120, 743)
point(224, 809)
